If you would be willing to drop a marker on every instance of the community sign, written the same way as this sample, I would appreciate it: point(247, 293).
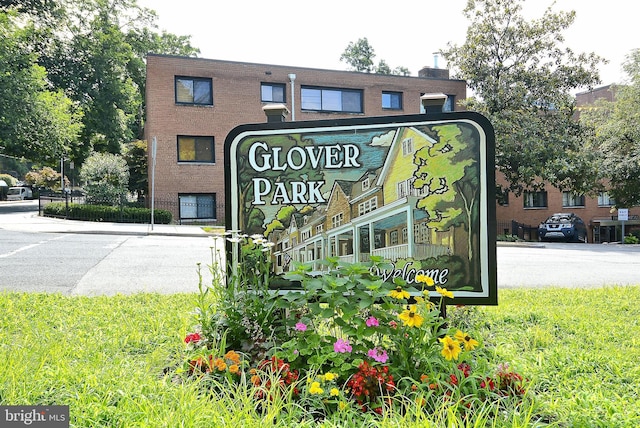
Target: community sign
point(416, 190)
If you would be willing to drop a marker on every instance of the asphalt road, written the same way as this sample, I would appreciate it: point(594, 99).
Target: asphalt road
point(93, 264)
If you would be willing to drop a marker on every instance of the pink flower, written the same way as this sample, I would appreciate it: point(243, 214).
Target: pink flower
point(342, 346)
point(372, 322)
point(301, 326)
point(379, 355)
point(192, 337)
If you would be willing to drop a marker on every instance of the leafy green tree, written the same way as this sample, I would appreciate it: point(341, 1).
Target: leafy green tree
point(135, 154)
point(45, 178)
point(616, 136)
point(447, 175)
point(106, 177)
point(97, 56)
point(359, 56)
point(523, 80)
point(35, 122)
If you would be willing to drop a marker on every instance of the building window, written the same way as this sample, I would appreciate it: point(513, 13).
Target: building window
point(449, 104)
point(535, 199)
point(325, 99)
point(502, 196)
point(604, 200)
point(319, 229)
point(195, 149)
point(402, 190)
point(368, 206)
point(192, 90)
point(393, 237)
point(392, 100)
point(272, 92)
point(407, 147)
point(305, 235)
point(198, 206)
point(570, 199)
point(366, 184)
point(336, 220)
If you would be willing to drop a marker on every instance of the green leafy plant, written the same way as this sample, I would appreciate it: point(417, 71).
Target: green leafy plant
point(354, 337)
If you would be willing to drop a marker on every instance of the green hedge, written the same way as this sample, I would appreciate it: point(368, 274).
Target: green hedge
point(106, 213)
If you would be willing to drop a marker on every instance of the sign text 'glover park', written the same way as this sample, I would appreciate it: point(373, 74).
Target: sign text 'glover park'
point(416, 191)
point(263, 158)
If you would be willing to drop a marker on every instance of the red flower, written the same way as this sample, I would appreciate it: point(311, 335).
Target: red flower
point(465, 369)
point(192, 337)
point(453, 379)
point(488, 384)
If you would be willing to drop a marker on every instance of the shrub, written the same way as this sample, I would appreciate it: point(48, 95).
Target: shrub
point(106, 213)
point(631, 239)
point(10, 180)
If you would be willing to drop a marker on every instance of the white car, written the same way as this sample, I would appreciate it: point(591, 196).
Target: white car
point(19, 193)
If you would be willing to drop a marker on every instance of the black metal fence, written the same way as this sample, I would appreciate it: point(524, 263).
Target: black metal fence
point(199, 213)
point(523, 231)
point(196, 213)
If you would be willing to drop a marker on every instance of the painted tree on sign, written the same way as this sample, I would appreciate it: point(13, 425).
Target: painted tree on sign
point(446, 175)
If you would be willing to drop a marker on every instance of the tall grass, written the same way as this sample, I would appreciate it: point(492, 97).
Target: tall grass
point(109, 359)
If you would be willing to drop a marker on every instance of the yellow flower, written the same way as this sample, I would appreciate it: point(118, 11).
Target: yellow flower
point(315, 388)
point(330, 376)
point(399, 293)
point(450, 348)
point(334, 392)
point(410, 318)
point(469, 343)
point(444, 292)
point(426, 280)
point(342, 405)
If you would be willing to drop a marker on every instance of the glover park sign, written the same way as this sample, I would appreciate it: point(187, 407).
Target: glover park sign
point(417, 191)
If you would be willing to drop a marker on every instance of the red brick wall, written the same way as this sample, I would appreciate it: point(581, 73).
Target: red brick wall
point(236, 100)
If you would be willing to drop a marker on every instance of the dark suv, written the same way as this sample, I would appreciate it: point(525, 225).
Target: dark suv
point(563, 227)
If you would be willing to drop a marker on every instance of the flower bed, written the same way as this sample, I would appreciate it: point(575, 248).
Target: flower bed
point(347, 340)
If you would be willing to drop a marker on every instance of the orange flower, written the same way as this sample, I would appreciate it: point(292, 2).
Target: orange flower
point(233, 368)
point(255, 379)
point(233, 357)
point(424, 378)
point(220, 364)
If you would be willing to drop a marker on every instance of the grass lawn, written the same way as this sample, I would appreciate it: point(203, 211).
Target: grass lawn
point(105, 357)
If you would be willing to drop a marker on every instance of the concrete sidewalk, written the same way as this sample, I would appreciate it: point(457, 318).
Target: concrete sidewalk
point(30, 222)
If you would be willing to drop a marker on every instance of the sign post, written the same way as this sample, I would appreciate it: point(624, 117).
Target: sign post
point(623, 215)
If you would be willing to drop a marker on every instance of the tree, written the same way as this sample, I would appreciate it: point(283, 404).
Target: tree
point(522, 79)
point(35, 122)
point(106, 176)
point(45, 178)
point(97, 56)
point(359, 56)
point(446, 173)
point(616, 136)
point(135, 154)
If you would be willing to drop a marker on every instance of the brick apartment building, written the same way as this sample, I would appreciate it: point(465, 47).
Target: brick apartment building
point(193, 103)
point(521, 215)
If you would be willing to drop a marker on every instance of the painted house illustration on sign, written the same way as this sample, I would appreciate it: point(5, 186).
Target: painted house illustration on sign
point(413, 193)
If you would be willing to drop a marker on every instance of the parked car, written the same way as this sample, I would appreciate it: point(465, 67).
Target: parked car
point(563, 227)
point(19, 194)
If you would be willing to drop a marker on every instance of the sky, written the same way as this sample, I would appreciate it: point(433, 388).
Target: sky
point(402, 32)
